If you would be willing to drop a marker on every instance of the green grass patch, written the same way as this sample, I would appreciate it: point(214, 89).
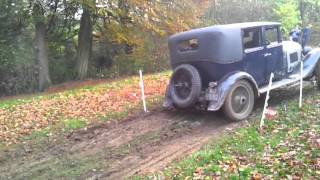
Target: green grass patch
point(74, 124)
point(41, 133)
point(14, 102)
point(66, 167)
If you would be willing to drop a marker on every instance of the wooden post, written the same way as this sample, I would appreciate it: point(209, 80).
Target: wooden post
point(142, 92)
point(266, 101)
point(301, 85)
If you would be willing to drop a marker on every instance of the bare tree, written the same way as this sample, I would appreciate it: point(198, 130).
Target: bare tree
point(84, 44)
point(40, 47)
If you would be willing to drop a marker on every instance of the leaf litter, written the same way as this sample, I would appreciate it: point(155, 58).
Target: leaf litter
point(88, 104)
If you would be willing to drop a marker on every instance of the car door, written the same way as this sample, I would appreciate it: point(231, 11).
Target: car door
point(254, 54)
point(273, 51)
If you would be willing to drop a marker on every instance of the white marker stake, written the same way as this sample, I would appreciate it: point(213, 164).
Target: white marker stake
point(301, 84)
point(142, 93)
point(266, 102)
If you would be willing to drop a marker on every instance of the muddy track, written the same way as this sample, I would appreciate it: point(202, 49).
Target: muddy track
point(151, 158)
point(149, 143)
point(136, 146)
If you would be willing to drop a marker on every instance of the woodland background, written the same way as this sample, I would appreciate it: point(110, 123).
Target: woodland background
point(46, 42)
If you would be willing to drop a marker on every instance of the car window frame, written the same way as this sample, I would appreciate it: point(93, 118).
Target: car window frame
point(272, 45)
point(254, 49)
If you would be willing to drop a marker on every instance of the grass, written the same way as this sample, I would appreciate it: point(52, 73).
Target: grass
point(74, 124)
point(62, 167)
point(284, 149)
point(14, 102)
point(41, 134)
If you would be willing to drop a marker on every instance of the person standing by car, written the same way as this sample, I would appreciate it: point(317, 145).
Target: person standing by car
point(306, 32)
point(295, 34)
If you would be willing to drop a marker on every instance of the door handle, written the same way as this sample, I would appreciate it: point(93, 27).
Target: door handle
point(267, 54)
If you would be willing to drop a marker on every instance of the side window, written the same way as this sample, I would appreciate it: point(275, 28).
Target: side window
point(272, 37)
point(252, 38)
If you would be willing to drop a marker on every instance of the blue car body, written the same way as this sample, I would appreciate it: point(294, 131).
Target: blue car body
point(225, 54)
point(220, 51)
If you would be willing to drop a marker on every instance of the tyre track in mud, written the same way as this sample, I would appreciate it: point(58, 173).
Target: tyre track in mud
point(159, 156)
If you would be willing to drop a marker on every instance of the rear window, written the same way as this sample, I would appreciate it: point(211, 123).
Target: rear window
point(188, 45)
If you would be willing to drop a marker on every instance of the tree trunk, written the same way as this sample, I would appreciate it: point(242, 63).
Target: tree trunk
point(84, 44)
point(41, 49)
point(124, 12)
point(302, 8)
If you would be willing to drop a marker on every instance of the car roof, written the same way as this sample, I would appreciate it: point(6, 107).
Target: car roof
point(248, 25)
point(236, 27)
point(219, 43)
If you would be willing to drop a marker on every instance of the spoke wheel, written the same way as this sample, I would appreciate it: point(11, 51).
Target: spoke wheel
point(240, 101)
point(182, 84)
point(185, 86)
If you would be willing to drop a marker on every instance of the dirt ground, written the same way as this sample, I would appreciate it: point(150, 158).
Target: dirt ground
point(115, 150)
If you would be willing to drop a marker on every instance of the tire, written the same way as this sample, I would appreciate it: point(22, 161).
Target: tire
point(317, 74)
point(185, 86)
point(239, 102)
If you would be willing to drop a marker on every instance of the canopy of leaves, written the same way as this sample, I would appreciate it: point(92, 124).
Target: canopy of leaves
point(288, 15)
point(128, 34)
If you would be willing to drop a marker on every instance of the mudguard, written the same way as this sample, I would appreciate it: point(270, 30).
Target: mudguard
point(310, 62)
point(224, 87)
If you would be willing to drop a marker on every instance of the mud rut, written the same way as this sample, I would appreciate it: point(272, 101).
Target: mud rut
point(180, 137)
point(135, 146)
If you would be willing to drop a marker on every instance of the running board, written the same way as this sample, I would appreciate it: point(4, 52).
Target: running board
point(278, 84)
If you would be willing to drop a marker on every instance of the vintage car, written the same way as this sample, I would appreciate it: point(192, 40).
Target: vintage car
point(229, 66)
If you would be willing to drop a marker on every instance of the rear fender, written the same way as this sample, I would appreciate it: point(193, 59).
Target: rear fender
point(224, 87)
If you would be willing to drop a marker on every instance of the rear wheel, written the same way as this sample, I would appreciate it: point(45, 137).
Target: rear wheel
point(317, 74)
point(185, 86)
point(240, 101)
